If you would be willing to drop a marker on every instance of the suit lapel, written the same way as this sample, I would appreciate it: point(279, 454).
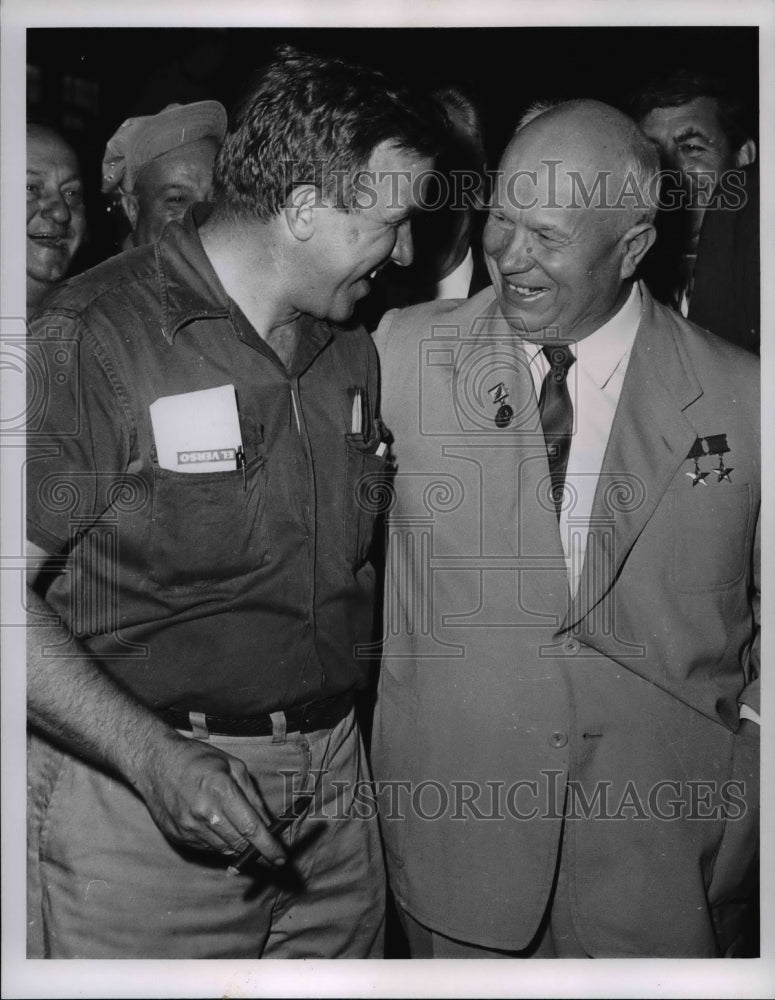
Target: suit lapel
point(513, 459)
point(650, 439)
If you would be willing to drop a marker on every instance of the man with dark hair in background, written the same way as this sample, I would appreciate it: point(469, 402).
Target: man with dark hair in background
point(448, 262)
point(706, 260)
point(207, 440)
point(56, 218)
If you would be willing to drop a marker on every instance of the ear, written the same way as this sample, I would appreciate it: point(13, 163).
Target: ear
point(131, 208)
point(300, 211)
point(636, 242)
point(746, 154)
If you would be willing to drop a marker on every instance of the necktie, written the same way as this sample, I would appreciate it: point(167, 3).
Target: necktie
point(556, 410)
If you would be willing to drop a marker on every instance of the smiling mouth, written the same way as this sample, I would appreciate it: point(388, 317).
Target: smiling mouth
point(527, 293)
point(49, 239)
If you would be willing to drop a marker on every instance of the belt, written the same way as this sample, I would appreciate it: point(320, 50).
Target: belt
point(323, 714)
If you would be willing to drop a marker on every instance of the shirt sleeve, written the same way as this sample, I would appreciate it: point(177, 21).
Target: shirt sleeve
point(78, 432)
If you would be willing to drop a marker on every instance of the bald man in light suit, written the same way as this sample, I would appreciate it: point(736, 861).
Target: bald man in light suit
point(566, 737)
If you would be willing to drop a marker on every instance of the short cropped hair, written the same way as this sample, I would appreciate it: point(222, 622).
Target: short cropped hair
point(313, 120)
point(680, 86)
point(534, 110)
point(466, 115)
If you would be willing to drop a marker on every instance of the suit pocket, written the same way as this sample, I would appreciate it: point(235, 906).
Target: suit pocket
point(711, 537)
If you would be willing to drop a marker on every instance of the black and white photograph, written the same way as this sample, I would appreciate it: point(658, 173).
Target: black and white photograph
point(382, 479)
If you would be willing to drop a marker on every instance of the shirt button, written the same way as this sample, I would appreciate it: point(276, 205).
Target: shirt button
point(558, 739)
point(572, 646)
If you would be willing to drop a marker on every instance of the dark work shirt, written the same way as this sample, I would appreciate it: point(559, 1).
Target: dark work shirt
point(234, 592)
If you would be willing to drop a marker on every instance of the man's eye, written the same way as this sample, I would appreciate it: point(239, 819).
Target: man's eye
point(75, 196)
point(33, 189)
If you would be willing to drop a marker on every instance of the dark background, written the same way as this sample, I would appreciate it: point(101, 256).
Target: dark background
point(87, 81)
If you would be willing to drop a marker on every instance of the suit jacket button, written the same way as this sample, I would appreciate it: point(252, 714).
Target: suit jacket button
point(572, 646)
point(558, 739)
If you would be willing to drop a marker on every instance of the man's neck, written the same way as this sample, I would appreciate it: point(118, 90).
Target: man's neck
point(244, 258)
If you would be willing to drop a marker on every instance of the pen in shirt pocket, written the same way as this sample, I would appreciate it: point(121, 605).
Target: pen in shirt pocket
point(242, 463)
point(358, 418)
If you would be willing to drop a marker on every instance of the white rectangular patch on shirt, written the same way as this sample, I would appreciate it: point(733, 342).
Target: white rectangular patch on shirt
point(197, 431)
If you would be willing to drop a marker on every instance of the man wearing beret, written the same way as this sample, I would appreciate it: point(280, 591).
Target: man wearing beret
point(194, 506)
point(162, 164)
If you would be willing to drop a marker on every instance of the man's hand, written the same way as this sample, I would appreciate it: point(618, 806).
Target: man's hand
point(198, 796)
point(203, 798)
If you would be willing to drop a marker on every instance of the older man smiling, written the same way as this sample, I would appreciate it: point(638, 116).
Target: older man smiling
point(56, 219)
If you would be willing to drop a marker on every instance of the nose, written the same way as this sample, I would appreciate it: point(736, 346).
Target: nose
point(403, 251)
point(56, 208)
point(515, 253)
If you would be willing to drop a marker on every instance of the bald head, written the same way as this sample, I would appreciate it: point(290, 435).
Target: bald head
point(593, 154)
point(571, 219)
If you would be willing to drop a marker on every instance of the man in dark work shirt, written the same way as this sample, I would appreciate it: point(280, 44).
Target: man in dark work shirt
point(199, 517)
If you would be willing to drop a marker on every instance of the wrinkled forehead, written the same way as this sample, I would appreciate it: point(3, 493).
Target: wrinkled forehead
point(192, 158)
point(701, 114)
point(557, 170)
point(45, 149)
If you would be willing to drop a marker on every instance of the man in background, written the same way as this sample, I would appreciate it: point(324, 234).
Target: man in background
point(703, 132)
point(448, 261)
point(160, 165)
point(56, 218)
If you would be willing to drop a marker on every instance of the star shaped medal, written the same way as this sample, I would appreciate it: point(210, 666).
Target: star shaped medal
point(717, 445)
point(696, 451)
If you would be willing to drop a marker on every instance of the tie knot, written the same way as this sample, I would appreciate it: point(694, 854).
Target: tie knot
point(560, 358)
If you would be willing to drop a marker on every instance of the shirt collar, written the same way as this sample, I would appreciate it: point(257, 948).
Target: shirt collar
point(189, 285)
point(191, 290)
point(601, 353)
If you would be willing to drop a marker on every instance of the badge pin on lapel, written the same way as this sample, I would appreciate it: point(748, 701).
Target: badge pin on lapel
point(504, 414)
point(696, 452)
point(717, 445)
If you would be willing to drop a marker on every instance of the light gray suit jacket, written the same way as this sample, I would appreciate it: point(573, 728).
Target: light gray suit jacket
point(500, 695)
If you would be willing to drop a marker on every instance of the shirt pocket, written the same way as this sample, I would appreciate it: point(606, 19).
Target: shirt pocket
point(210, 526)
point(368, 494)
point(711, 537)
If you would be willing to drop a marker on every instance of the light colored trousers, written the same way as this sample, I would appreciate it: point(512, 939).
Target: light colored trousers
point(105, 883)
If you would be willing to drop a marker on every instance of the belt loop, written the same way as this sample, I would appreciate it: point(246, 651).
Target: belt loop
point(279, 726)
point(199, 728)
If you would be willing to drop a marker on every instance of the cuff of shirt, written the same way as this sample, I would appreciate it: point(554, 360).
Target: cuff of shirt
point(746, 712)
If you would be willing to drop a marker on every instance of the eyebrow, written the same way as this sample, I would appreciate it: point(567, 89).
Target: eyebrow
point(548, 227)
point(72, 179)
point(692, 132)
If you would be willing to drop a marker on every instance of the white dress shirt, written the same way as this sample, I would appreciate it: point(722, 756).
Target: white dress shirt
point(457, 282)
point(595, 383)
